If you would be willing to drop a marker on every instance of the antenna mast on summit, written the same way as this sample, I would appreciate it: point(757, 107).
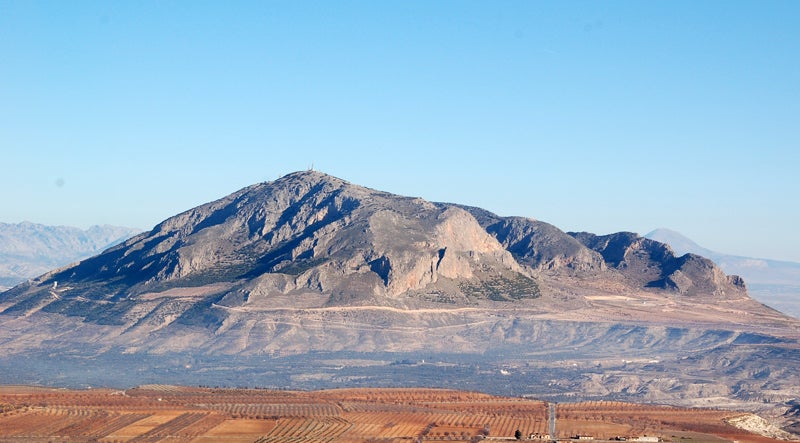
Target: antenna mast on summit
point(311, 168)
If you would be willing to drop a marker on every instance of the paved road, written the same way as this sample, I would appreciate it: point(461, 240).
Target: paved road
point(552, 419)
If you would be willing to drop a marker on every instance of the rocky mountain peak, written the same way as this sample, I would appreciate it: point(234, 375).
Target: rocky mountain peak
point(653, 264)
point(313, 267)
point(309, 239)
point(544, 247)
point(307, 232)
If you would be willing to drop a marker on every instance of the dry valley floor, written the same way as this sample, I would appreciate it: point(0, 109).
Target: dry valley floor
point(164, 413)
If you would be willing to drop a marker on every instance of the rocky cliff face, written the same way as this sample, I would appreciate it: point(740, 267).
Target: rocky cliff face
point(639, 263)
point(310, 264)
point(775, 283)
point(325, 242)
point(653, 264)
point(311, 236)
point(307, 233)
point(540, 245)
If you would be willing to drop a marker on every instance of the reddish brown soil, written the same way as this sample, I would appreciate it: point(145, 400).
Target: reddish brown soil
point(181, 414)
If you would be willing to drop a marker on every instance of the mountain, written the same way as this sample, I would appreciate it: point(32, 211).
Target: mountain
point(305, 234)
point(312, 282)
point(29, 249)
point(310, 240)
point(774, 282)
point(679, 242)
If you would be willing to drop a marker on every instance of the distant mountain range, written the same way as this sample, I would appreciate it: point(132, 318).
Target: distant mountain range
point(310, 282)
point(776, 283)
point(28, 249)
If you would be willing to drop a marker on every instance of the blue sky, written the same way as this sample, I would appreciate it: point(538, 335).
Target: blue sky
point(596, 116)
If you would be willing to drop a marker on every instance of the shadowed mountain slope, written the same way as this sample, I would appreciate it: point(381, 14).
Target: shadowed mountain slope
point(307, 234)
point(321, 241)
point(653, 264)
point(774, 282)
point(310, 265)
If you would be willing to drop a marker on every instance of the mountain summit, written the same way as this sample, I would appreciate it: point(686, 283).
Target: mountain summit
point(306, 233)
point(312, 240)
point(309, 281)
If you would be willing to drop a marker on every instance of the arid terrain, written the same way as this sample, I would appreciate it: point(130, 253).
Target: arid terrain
point(309, 282)
point(165, 413)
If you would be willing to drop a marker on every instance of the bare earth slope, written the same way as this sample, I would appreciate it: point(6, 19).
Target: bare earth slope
point(310, 281)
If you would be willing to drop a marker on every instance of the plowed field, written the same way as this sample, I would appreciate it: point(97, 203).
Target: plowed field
point(157, 413)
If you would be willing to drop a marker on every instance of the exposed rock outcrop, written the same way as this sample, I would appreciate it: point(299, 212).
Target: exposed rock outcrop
point(653, 264)
point(309, 240)
point(312, 264)
point(326, 242)
point(306, 232)
point(543, 246)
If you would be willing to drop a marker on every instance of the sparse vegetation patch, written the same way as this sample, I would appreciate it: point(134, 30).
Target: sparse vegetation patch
point(501, 288)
